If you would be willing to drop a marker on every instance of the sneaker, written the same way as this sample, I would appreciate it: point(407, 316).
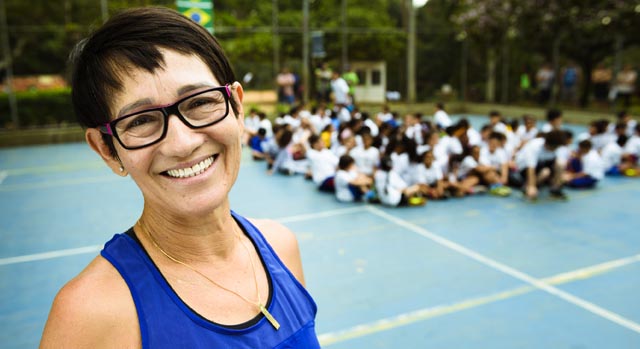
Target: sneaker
point(417, 201)
point(558, 194)
point(500, 190)
point(478, 189)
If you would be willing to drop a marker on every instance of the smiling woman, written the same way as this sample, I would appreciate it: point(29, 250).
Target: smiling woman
point(159, 102)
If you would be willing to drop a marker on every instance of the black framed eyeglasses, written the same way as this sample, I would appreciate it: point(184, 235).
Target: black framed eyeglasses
point(147, 127)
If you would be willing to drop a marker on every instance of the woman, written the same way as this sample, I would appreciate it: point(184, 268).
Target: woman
point(160, 103)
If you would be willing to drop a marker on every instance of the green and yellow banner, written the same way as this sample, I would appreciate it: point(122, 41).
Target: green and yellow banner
point(200, 11)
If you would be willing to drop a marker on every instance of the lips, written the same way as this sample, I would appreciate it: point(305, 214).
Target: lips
point(193, 170)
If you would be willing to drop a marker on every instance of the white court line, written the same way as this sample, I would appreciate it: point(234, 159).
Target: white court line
point(50, 255)
point(91, 249)
point(63, 182)
point(323, 214)
point(408, 318)
point(539, 284)
point(3, 176)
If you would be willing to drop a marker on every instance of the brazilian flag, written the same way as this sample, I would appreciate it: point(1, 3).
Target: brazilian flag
point(200, 11)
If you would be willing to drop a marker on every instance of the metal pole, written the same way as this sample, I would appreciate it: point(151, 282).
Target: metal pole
point(13, 105)
point(345, 48)
point(305, 50)
point(411, 55)
point(276, 39)
point(104, 7)
point(463, 71)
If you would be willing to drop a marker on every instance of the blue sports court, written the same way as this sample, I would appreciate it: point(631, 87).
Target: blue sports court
point(477, 272)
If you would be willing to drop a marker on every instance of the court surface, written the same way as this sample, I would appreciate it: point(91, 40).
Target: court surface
point(478, 272)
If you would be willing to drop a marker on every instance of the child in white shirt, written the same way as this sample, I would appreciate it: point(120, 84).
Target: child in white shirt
point(392, 190)
point(322, 164)
point(585, 168)
point(349, 183)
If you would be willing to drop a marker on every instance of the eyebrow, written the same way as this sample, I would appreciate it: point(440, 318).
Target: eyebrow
point(146, 101)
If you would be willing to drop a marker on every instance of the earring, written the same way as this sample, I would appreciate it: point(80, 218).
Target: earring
point(121, 168)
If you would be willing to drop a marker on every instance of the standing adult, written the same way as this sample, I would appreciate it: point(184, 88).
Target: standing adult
point(544, 79)
point(601, 78)
point(625, 85)
point(323, 75)
point(160, 103)
point(286, 81)
point(570, 80)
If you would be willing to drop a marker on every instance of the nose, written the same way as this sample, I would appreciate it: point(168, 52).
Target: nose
point(180, 140)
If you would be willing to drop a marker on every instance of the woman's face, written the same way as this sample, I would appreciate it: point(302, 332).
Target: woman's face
point(214, 150)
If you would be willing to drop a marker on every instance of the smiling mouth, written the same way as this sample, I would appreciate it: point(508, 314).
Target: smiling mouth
point(193, 170)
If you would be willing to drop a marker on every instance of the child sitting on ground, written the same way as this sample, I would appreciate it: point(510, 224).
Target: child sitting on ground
point(585, 168)
point(430, 174)
point(322, 164)
point(472, 173)
point(255, 143)
point(392, 190)
point(350, 184)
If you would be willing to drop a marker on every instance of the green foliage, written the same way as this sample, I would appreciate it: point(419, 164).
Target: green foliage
point(38, 108)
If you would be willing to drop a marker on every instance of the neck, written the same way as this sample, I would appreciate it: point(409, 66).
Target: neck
point(191, 240)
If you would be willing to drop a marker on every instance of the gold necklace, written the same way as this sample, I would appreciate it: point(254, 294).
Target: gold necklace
point(259, 304)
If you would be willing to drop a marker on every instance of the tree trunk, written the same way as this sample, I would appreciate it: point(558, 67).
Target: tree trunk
point(504, 88)
point(587, 67)
point(490, 92)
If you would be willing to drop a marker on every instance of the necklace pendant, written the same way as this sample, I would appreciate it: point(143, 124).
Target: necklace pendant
point(269, 317)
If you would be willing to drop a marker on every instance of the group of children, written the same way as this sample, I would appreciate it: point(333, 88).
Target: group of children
point(380, 158)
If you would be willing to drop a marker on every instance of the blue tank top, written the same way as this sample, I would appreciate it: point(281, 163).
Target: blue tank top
point(167, 322)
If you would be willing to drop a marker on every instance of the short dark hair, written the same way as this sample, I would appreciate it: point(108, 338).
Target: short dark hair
point(494, 113)
point(554, 139)
point(345, 161)
point(553, 114)
point(585, 145)
point(129, 40)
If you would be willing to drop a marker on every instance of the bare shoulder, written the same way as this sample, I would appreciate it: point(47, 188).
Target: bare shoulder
point(92, 310)
point(284, 242)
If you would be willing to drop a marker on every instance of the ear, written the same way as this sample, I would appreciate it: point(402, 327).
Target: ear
point(94, 138)
point(237, 93)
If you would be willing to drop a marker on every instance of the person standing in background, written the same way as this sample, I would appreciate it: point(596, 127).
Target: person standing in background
point(601, 77)
point(625, 85)
point(286, 80)
point(544, 78)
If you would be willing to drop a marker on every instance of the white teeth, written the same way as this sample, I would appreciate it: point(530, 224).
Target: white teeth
point(193, 170)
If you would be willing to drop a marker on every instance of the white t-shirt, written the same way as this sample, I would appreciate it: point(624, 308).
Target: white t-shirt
point(252, 123)
point(323, 164)
point(546, 128)
point(475, 138)
point(592, 165)
point(532, 153)
point(632, 146)
point(451, 145)
point(442, 119)
point(429, 176)
point(266, 124)
point(611, 155)
point(495, 159)
point(414, 132)
point(525, 135)
point(341, 182)
point(367, 160)
point(401, 164)
point(468, 164)
point(373, 127)
point(384, 117)
point(340, 91)
point(389, 186)
point(290, 120)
